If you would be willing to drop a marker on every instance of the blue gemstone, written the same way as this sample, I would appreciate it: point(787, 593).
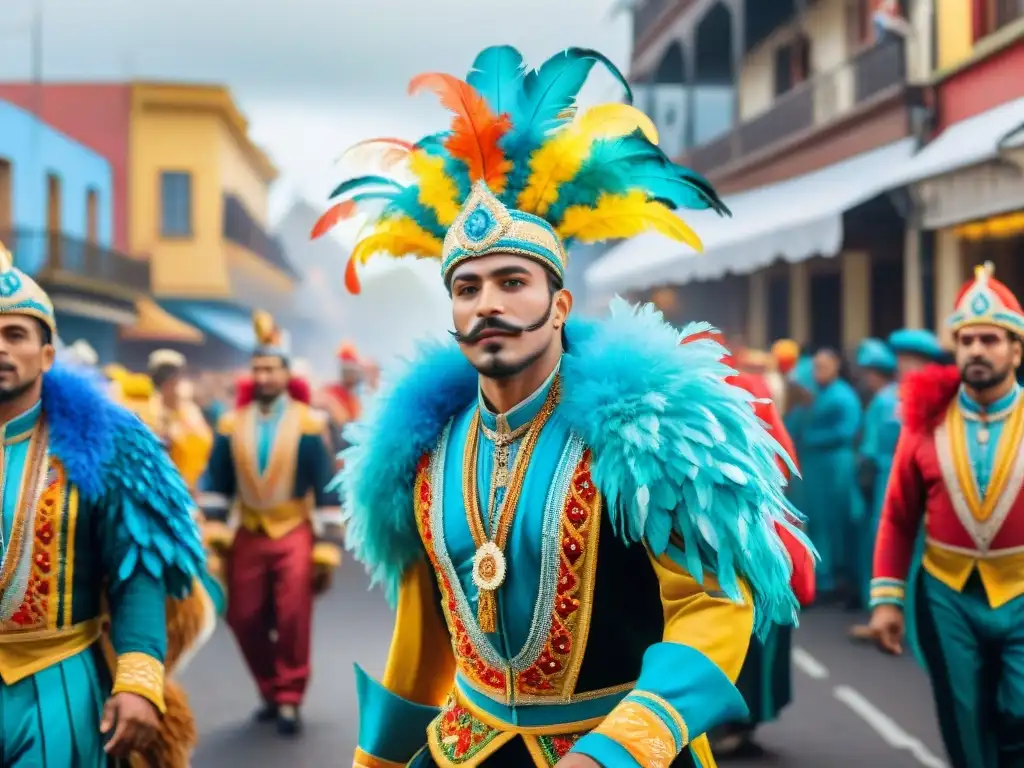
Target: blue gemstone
point(980, 304)
point(478, 224)
point(10, 284)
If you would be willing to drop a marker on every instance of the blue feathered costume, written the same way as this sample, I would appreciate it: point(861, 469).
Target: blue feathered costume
point(96, 530)
point(614, 617)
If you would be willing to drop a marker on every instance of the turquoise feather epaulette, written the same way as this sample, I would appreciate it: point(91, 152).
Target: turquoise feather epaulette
point(676, 450)
point(149, 498)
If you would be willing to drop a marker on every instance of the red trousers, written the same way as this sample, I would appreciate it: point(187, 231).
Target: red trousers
point(270, 587)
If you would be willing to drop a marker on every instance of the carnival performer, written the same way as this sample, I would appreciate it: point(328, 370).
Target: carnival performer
point(271, 457)
point(341, 399)
point(102, 529)
point(575, 519)
point(958, 471)
point(766, 680)
point(907, 350)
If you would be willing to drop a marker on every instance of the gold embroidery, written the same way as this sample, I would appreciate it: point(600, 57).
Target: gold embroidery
point(1006, 452)
point(641, 733)
point(276, 483)
point(26, 498)
point(669, 710)
point(69, 553)
point(141, 674)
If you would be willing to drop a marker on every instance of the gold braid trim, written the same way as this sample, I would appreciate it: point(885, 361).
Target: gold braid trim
point(141, 674)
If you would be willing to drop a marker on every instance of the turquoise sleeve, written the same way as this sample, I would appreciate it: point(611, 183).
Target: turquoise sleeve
point(138, 622)
point(390, 728)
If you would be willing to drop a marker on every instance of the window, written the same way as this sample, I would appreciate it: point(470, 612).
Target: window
point(858, 24)
point(92, 217)
point(175, 204)
point(6, 200)
point(992, 15)
point(53, 217)
point(792, 65)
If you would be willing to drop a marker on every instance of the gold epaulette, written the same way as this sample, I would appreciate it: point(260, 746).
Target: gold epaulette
point(226, 423)
point(314, 422)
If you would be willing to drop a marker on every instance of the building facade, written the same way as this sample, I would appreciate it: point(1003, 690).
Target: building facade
point(190, 195)
point(56, 217)
point(800, 113)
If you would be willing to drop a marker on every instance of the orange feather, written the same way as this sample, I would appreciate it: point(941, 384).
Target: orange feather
point(386, 151)
point(336, 213)
point(352, 277)
point(476, 130)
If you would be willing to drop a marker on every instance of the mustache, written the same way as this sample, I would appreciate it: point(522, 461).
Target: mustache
point(504, 326)
point(979, 361)
point(7, 367)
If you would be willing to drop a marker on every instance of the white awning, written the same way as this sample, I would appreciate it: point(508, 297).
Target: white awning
point(792, 220)
point(967, 143)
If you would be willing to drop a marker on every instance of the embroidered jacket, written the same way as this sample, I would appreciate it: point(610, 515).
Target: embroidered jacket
point(642, 555)
point(101, 518)
point(277, 465)
point(964, 488)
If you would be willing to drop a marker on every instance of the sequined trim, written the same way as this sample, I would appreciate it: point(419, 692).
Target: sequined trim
point(428, 496)
point(40, 607)
point(558, 666)
point(642, 733)
point(141, 674)
point(456, 737)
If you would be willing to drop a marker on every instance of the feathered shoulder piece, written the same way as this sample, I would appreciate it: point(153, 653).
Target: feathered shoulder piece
point(925, 395)
point(588, 177)
point(679, 454)
point(124, 474)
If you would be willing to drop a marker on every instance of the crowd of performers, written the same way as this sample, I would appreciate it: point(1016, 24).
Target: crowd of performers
point(594, 532)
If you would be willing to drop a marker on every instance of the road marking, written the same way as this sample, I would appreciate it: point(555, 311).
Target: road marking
point(809, 665)
point(886, 727)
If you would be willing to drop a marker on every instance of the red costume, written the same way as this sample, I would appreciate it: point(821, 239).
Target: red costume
point(958, 472)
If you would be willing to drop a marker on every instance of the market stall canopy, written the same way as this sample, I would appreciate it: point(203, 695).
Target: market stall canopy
point(793, 220)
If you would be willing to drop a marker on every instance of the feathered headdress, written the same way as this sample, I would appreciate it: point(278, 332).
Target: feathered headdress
point(518, 171)
point(269, 339)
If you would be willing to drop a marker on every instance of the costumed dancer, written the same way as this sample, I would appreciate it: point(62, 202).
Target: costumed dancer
point(958, 471)
point(829, 471)
point(876, 369)
point(766, 680)
point(800, 392)
point(341, 399)
point(569, 590)
point(785, 353)
point(271, 457)
point(908, 350)
point(95, 523)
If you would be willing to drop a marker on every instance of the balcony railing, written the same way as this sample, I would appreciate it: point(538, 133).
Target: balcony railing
point(242, 229)
point(47, 255)
point(818, 101)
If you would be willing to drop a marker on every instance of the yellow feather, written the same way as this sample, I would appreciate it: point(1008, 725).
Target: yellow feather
point(560, 158)
point(621, 216)
point(437, 190)
point(399, 236)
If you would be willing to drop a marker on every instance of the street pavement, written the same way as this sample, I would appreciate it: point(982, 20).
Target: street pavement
point(852, 706)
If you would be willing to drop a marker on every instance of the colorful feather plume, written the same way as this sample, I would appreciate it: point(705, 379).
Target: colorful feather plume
point(398, 236)
point(593, 175)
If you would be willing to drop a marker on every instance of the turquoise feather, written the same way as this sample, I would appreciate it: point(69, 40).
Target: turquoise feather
point(676, 451)
point(363, 181)
point(497, 75)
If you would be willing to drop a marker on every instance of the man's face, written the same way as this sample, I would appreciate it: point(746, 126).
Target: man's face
point(986, 356)
point(826, 368)
point(874, 379)
point(350, 375)
point(23, 355)
point(506, 316)
point(269, 377)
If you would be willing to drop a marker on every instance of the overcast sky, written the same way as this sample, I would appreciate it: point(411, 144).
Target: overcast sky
point(314, 76)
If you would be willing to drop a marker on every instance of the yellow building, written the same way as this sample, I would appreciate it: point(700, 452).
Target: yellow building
point(198, 190)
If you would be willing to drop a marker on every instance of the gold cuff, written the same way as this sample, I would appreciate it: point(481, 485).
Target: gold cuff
point(642, 733)
point(141, 674)
point(365, 760)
